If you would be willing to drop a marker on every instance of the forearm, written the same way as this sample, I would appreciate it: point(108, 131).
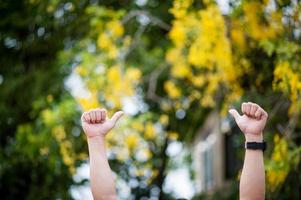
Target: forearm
point(102, 181)
point(252, 182)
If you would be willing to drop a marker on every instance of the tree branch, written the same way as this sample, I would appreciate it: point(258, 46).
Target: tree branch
point(153, 20)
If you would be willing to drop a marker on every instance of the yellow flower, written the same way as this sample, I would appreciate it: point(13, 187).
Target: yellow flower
point(149, 131)
point(201, 50)
point(173, 135)
point(172, 90)
point(254, 12)
point(104, 41)
point(59, 133)
point(44, 151)
point(133, 74)
point(114, 74)
point(113, 52)
point(48, 117)
point(81, 70)
point(82, 156)
point(173, 54)
point(238, 38)
point(164, 119)
point(180, 70)
point(138, 126)
point(177, 34)
point(139, 172)
point(114, 100)
point(277, 172)
point(276, 177)
point(89, 103)
point(116, 28)
point(131, 141)
point(179, 8)
point(198, 81)
point(207, 101)
point(288, 81)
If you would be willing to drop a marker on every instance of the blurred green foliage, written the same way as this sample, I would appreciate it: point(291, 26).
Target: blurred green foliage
point(32, 80)
point(181, 59)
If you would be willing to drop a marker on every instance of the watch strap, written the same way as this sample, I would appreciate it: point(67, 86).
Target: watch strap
point(256, 145)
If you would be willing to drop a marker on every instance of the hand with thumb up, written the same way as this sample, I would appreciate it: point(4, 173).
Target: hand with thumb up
point(96, 123)
point(252, 121)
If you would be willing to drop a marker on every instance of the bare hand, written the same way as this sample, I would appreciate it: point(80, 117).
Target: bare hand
point(96, 123)
point(252, 122)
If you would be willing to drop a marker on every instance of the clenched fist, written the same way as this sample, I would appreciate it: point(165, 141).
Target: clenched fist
point(252, 121)
point(96, 123)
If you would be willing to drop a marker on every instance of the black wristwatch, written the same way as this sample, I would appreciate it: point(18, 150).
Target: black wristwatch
point(256, 145)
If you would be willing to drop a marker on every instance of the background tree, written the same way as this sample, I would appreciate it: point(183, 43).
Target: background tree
point(176, 61)
point(36, 110)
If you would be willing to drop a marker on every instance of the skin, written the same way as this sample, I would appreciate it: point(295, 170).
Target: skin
point(96, 125)
point(251, 123)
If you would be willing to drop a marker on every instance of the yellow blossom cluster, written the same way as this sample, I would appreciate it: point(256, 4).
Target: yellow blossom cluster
point(120, 84)
point(259, 29)
point(136, 133)
point(201, 55)
point(149, 132)
point(179, 9)
point(107, 40)
point(288, 81)
point(50, 118)
point(115, 80)
point(237, 35)
point(164, 119)
point(172, 90)
point(120, 80)
point(90, 102)
point(129, 142)
point(65, 146)
point(173, 135)
point(277, 172)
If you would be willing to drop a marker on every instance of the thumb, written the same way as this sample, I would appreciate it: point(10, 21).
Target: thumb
point(234, 114)
point(116, 116)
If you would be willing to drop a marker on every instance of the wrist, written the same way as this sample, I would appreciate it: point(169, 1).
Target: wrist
point(254, 137)
point(96, 138)
point(96, 145)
